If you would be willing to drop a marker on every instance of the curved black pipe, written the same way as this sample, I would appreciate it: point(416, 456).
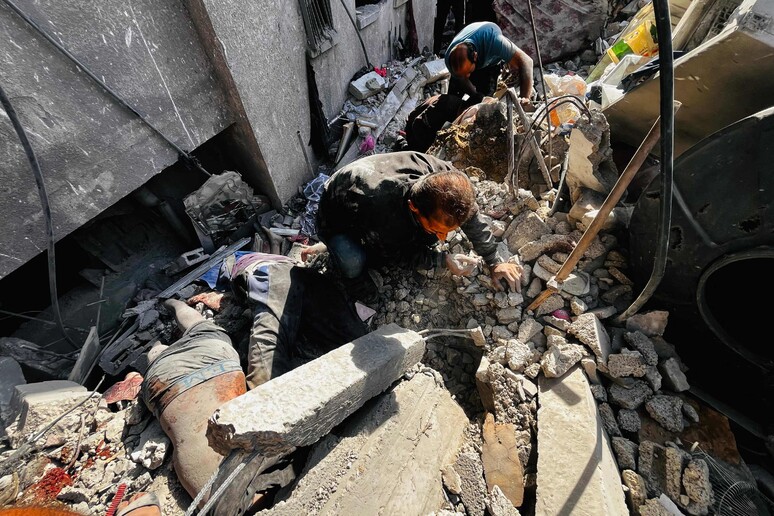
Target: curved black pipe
point(183, 154)
point(667, 110)
point(46, 211)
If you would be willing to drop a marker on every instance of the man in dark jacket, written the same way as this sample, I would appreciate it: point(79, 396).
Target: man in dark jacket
point(394, 208)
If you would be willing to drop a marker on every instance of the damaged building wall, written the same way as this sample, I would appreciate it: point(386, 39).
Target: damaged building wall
point(92, 151)
point(192, 69)
point(336, 66)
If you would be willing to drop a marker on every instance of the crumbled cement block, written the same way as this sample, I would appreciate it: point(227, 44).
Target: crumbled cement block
point(626, 363)
point(626, 453)
point(567, 413)
point(608, 420)
point(526, 227)
point(651, 323)
point(590, 331)
point(367, 85)
point(37, 404)
point(434, 70)
point(528, 329)
point(153, 446)
point(637, 490)
point(629, 420)
point(560, 358)
point(675, 461)
point(498, 504)
point(640, 342)
point(577, 283)
point(630, 398)
point(304, 404)
point(472, 486)
point(696, 481)
point(674, 379)
point(667, 411)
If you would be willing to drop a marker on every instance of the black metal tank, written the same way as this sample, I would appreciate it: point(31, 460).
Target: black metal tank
point(719, 280)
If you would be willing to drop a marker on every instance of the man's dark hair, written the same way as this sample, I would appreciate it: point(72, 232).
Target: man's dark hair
point(461, 53)
point(449, 192)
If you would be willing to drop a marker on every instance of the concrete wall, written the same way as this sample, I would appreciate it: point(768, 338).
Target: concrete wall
point(92, 151)
point(194, 68)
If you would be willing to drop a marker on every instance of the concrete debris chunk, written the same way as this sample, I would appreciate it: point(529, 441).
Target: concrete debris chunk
point(629, 398)
point(626, 363)
point(629, 420)
point(266, 419)
point(471, 471)
point(367, 85)
point(675, 461)
point(667, 411)
point(36, 404)
point(498, 504)
point(696, 480)
point(626, 453)
point(560, 358)
point(640, 342)
point(652, 323)
point(546, 245)
point(565, 405)
point(590, 331)
point(526, 227)
point(153, 446)
point(636, 493)
point(608, 420)
point(674, 379)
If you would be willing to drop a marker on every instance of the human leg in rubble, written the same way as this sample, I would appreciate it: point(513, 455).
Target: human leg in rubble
point(298, 315)
point(185, 384)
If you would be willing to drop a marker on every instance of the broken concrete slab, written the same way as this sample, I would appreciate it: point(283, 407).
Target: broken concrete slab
point(581, 478)
point(387, 459)
point(367, 85)
point(472, 486)
point(590, 331)
point(37, 404)
point(299, 407)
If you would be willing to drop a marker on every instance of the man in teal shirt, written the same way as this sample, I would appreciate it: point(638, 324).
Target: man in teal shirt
point(475, 56)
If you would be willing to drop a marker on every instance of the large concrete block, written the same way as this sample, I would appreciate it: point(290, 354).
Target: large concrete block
point(37, 404)
point(301, 406)
point(577, 473)
point(386, 459)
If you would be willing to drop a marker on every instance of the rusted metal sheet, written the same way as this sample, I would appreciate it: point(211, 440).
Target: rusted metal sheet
point(564, 27)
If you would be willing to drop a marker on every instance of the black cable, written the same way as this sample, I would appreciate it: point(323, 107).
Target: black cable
point(540, 68)
point(357, 31)
point(667, 111)
point(183, 154)
point(46, 211)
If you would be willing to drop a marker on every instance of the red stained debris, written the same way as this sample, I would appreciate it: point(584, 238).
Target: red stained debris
point(47, 488)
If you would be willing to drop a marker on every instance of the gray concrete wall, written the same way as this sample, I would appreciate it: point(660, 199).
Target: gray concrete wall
point(193, 67)
point(336, 66)
point(92, 151)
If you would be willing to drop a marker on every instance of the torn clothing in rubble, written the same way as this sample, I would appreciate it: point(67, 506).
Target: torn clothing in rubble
point(203, 352)
point(367, 201)
point(299, 314)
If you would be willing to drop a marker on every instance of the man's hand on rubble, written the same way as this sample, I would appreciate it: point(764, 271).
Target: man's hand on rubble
point(312, 250)
point(461, 264)
point(510, 272)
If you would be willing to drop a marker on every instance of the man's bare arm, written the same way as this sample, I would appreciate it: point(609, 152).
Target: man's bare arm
point(522, 63)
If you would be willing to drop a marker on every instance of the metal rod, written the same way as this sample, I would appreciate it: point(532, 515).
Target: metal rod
point(531, 138)
point(612, 199)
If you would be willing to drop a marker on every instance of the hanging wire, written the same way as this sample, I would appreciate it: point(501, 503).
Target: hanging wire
point(183, 154)
point(540, 70)
point(46, 211)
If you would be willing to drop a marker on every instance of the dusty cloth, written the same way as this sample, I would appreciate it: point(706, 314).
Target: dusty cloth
point(368, 201)
point(202, 353)
point(298, 313)
point(428, 118)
